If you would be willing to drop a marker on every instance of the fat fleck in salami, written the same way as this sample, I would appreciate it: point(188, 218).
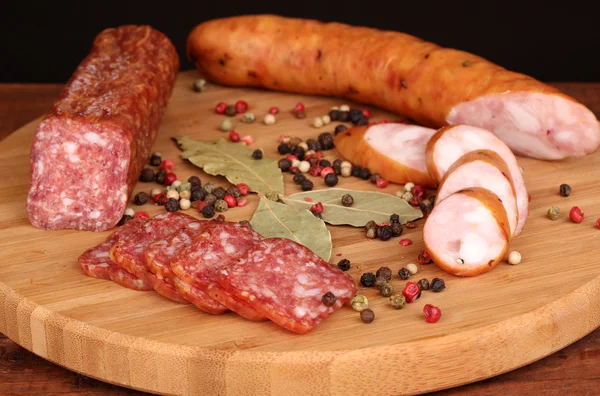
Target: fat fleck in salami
point(96, 263)
point(89, 150)
point(285, 281)
point(129, 253)
point(220, 244)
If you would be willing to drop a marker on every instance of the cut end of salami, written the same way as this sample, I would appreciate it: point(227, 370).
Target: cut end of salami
point(285, 282)
point(199, 298)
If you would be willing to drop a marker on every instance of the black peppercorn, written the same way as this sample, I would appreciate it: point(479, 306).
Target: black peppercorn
point(283, 148)
point(347, 200)
point(394, 218)
point(258, 154)
point(198, 194)
point(423, 284)
point(344, 264)
point(365, 173)
point(334, 115)
point(194, 181)
point(172, 205)
point(147, 175)
point(299, 178)
point(328, 299)
point(384, 232)
point(355, 115)
point(313, 161)
point(396, 229)
point(426, 206)
point(160, 176)
point(234, 192)
point(371, 233)
point(337, 166)
point(318, 215)
point(124, 220)
point(285, 164)
point(312, 144)
point(208, 211)
point(325, 163)
point(326, 141)
point(373, 178)
point(371, 225)
point(219, 192)
point(565, 190)
point(344, 116)
point(230, 110)
point(367, 315)
point(141, 198)
point(307, 185)
point(155, 159)
point(367, 279)
point(210, 199)
point(384, 272)
point(340, 128)
point(380, 281)
point(298, 152)
point(355, 171)
point(437, 285)
point(404, 273)
point(361, 121)
point(331, 179)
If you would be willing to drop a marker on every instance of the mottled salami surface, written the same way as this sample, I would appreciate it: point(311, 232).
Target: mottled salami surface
point(219, 244)
point(199, 298)
point(96, 263)
point(285, 281)
point(89, 150)
point(129, 253)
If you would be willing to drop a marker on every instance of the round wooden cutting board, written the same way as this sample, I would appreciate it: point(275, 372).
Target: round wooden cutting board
point(491, 324)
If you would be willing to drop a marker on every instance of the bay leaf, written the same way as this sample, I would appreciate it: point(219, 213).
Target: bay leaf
point(234, 161)
point(273, 219)
point(368, 205)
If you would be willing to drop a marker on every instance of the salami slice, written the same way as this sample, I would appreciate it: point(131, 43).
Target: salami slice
point(285, 281)
point(129, 253)
point(220, 244)
point(199, 298)
point(96, 263)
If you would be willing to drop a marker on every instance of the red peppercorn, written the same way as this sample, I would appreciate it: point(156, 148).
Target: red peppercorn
point(415, 202)
point(200, 205)
point(432, 313)
point(141, 215)
point(598, 223)
point(220, 217)
point(247, 139)
point(418, 191)
point(243, 187)
point(234, 136)
point(327, 170)
point(220, 109)
point(242, 202)
point(381, 183)
point(411, 292)
point(231, 201)
point(576, 215)
point(319, 156)
point(167, 165)
point(292, 157)
point(293, 170)
point(160, 199)
point(241, 106)
point(366, 112)
point(405, 242)
point(274, 110)
point(317, 208)
point(170, 178)
point(316, 170)
point(299, 107)
point(423, 258)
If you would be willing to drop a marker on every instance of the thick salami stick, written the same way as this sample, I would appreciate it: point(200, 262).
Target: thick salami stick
point(89, 150)
point(435, 86)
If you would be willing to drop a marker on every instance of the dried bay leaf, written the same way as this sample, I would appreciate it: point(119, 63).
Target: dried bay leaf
point(234, 161)
point(273, 219)
point(368, 205)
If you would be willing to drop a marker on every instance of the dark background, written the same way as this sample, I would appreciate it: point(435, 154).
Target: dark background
point(44, 41)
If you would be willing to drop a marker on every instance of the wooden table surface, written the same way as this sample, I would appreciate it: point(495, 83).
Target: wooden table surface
point(573, 370)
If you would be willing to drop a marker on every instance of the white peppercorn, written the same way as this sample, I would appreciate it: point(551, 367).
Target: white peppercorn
point(344, 107)
point(303, 145)
point(514, 257)
point(409, 186)
point(346, 171)
point(129, 212)
point(172, 194)
point(185, 194)
point(412, 268)
point(304, 166)
point(326, 119)
point(317, 122)
point(184, 204)
point(175, 184)
point(226, 125)
point(269, 119)
point(155, 191)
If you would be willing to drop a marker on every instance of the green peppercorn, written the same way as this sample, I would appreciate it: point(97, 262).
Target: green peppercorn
point(384, 232)
point(187, 186)
point(328, 299)
point(396, 229)
point(257, 154)
point(386, 290)
point(246, 223)
point(210, 199)
point(147, 175)
point(234, 192)
point(334, 115)
point(380, 281)
point(221, 205)
point(209, 188)
point(226, 125)
point(404, 273)
point(565, 190)
point(373, 178)
point(124, 220)
point(365, 173)
point(172, 205)
point(230, 110)
point(437, 285)
point(219, 192)
point(344, 264)
point(423, 284)
point(340, 128)
point(248, 118)
point(331, 179)
point(155, 159)
point(194, 181)
point(326, 141)
point(198, 194)
point(394, 218)
point(160, 177)
point(347, 200)
point(384, 272)
point(285, 164)
point(367, 315)
point(371, 233)
point(371, 224)
point(553, 213)
point(208, 211)
point(359, 302)
point(367, 279)
point(273, 196)
point(299, 178)
point(307, 185)
point(398, 301)
point(141, 198)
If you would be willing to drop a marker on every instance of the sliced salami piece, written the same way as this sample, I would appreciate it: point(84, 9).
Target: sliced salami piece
point(96, 263)
point(467, 233)
point(451, 143)
point(129, 253)
point(395, 151)
point(285, 281)
point(219, 244)
point(482, 168)
point(199, 298)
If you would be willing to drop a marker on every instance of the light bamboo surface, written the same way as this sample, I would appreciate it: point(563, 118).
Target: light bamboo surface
point(490, 324)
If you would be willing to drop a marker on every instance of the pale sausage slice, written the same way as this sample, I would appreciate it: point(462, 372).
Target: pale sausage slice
point(451, 143)
point(467, 233)
point(482, 168)
point(395, 151)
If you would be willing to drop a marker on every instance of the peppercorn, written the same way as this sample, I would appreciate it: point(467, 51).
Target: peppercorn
point(331, 180)
point(219, 192)
point(141, 198)
point(386, 290)
point(423, 284)
point(384, 232)
point(147, 175)
point(367, 279)
point(398, 301)
point(210, 199)
point(124, 220)
point(198, 194)
point(373, 178)
point(371, 224)
point(553, 213)
point(380, 281)
point(155, 159)
point(170, 178)
point(160, 199)
point(576, 215)
point(283, 148)
point(340, 128)
point(272, 195)
point(285, 164)
point(311, 144)
point(129, 212)
point(365, 173)
point(208, 211)
point(199, 85)
point(194, 181)
point(300, 114)
point(359, 302)
point(344, 116)
point(167, 165)
point(514, 257)
point(385, 272)
point(426, 206)
point(184, 204)
point(334, 115)
point(182, 187)
point(299, 178)
point(396, 229)
point(234, 192)
point(220, 218)
point(325, 163)
point(565, 190)
point(347, 200)
point(328, 299)
point(423, 258)
point(221, 205)
point(298, 151)
point(318, 122)
point(246, 223)
point(318, 215)
point(362, 121)
point(344, 264)
point(411, 292)
point(437, 285)
point(307, 185)
point(355, 115)
point(172, 205)
point(412, 268)
point(230, 110)
point(318, 207)
point(326, 141)
point(356, 170)
point(175, 185)
point(337, 166)
point(160, 176)
point(367, 315)
point(407, 196)
point(226, 125)
point(257, 154)
point(404, 273)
